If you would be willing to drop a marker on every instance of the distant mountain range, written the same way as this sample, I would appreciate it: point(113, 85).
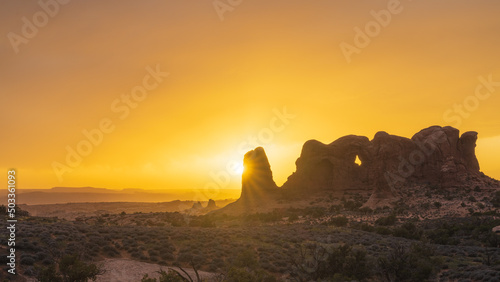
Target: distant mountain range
point(92, 195)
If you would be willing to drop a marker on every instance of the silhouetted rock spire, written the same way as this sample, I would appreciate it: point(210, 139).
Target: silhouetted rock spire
point(257, 179)
point(210, 206)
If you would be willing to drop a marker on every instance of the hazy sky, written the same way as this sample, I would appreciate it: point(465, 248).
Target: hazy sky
point(270, 73)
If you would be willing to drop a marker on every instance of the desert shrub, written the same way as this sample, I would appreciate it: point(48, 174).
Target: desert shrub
point(71, 268)
point(339, 221)
point(269, 267)
point(246, 258)
point(400, 208)
point(317, 262)
point(352, 205)
point(425, 206)
point(401, 232)
point(335, 208)
point(29, 247)
point(491, 239)
point(48, 274)
point(153, 252)
point(315, 212)
point(198, 260)
point(47, 261)
point(467, 231)
point(408, 230)
point(41, 256)
point(27, 259)
point(170, 276)
point(29, 271)
point(383, 230)
point(495, 200)
point(202, 221)
point(184, 256)
point(408, 264)
point(265, 217)
point(387, 220)
point(245, 267)
point(245, 275)
point(167, 256)
point(441, 236)
point(218, 262)
point(136, 254)
point(366, 227)
point(176, 219)
point(110, 251)
point(365, 210)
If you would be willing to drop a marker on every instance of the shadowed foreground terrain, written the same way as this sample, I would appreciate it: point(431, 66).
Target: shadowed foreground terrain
point(297, 244)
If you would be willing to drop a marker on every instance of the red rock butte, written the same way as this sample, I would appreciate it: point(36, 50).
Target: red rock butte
point(436, 156)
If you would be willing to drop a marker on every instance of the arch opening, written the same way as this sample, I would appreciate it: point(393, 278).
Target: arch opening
point(357, 160)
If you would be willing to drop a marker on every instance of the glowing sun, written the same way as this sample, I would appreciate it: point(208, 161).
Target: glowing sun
point(238, 169)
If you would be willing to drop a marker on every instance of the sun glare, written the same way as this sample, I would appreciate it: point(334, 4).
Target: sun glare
point(238, 169)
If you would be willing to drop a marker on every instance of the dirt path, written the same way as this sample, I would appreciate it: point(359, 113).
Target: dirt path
point(126, 270)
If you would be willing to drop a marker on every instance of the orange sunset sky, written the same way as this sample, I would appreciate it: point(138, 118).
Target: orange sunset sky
point(234, 67)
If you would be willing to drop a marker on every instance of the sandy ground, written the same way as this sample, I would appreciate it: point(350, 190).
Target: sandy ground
point(125, 270)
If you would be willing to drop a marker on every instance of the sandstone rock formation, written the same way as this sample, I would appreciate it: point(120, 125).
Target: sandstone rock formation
point(332, 166)
point(435, 156)
point(196, 206)
point(257, 184)
point(257, 178)
point(210, 206)
point(195, 209)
